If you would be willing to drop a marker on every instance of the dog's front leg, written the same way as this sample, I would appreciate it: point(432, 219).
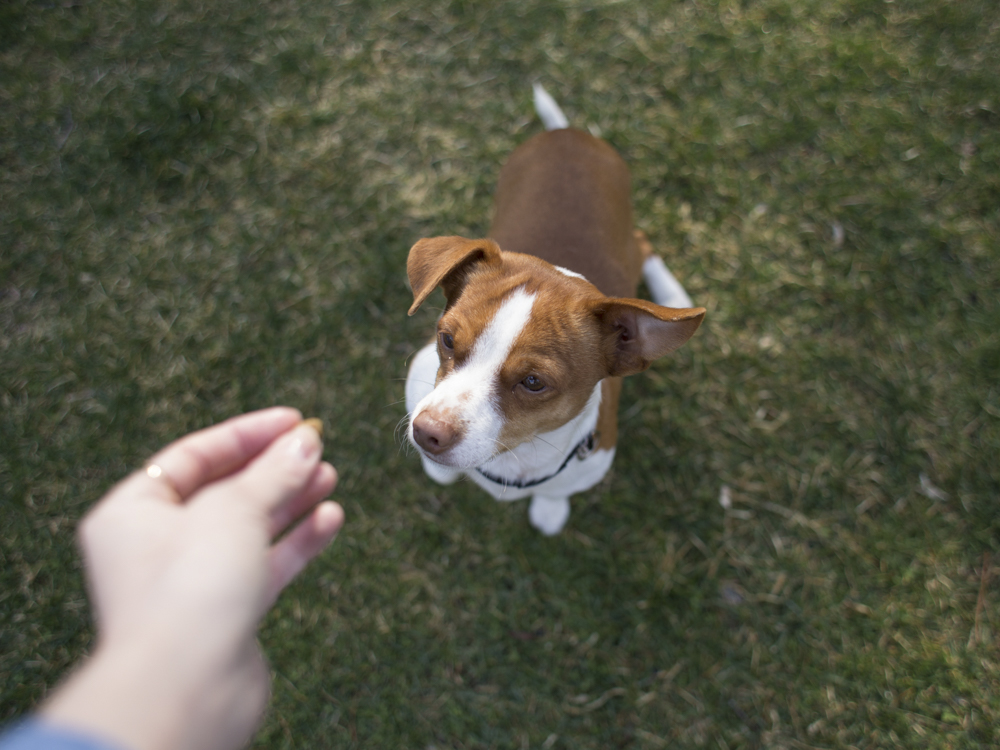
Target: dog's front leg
point(548, 514)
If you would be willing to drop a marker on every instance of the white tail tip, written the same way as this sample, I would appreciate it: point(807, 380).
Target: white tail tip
point(552, 117)
point(664, 287)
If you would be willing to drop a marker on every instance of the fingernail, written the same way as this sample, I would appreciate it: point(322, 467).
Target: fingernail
point(303, 442)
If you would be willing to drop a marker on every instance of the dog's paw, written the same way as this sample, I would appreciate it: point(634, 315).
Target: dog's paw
point(549, 514)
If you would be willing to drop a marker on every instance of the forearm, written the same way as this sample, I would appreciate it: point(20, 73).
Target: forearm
point(145, 697)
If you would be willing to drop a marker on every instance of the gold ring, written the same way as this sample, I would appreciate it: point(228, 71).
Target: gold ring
point(155, 471)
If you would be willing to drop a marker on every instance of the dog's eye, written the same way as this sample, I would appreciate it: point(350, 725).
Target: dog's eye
point(447, 341)
point(533, 383)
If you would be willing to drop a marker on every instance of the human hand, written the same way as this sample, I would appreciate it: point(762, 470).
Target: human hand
point(181, 568)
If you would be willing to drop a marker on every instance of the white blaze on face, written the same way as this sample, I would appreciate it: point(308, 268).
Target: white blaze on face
point(467, 394)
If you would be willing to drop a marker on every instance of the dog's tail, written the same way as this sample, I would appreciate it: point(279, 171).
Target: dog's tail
point(552, 117)
point(664, 287)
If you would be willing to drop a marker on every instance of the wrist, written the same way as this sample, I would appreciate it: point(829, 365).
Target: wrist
point(117, 695)
point(144, 698)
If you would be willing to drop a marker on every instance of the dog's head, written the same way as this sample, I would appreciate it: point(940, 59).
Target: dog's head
point(522, 345)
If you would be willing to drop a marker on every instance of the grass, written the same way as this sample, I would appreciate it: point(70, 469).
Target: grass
point(205, 208)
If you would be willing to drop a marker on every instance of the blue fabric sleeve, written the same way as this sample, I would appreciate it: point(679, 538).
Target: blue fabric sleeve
point(33, 734)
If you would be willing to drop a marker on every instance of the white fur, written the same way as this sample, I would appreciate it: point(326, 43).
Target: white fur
point(467, 392)
point(419, 384)
point(549, 514)
point(664, 288)
point(567, 272)
point(552, 117)
point(421, 376)
point(534, 459)
point(541, 456)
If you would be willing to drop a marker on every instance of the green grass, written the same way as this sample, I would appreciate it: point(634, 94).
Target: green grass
point(205, 208)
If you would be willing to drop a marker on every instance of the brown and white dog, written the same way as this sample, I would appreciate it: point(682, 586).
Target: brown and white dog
point(519, 390)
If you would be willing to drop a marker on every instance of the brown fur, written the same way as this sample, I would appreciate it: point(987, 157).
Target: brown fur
point(561, 344)
point(587, 229)
point(565, 196)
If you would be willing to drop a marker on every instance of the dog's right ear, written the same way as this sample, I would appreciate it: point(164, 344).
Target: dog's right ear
point(445, 261)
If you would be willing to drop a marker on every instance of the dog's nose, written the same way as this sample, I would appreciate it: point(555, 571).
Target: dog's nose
point(432, 434)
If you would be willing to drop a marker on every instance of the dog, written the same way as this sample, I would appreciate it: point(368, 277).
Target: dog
point(519, 388)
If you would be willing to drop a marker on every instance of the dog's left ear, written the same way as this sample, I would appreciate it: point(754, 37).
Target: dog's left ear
point(636, 332)
point(444, 261)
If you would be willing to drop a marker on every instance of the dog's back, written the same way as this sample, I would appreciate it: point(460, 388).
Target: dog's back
point(563, 196)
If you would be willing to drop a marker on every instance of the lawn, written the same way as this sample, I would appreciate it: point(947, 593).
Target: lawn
point(205, 208)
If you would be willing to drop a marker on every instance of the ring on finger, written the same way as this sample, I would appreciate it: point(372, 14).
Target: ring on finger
point(155, 471)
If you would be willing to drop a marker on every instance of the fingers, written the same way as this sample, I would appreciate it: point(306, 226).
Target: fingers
point(275, 479)
point(206, 455)
point(290, 555)
point(320, 485)
point(281, 484)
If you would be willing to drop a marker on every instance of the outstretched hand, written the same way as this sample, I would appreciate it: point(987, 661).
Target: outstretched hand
point(182, 560)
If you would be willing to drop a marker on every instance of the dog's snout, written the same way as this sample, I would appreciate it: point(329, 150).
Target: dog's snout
point(432, 434)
